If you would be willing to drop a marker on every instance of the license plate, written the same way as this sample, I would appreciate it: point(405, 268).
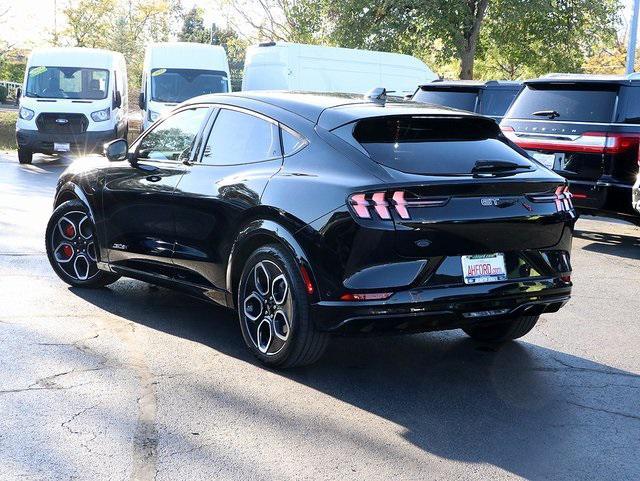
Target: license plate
point(478, 269)
point(550, 161)
point(61, 147)
point(545, 159)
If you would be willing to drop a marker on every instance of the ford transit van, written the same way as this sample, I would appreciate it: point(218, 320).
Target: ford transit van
point(73, 100)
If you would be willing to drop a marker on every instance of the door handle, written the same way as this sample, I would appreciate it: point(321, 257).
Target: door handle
point(154, 178)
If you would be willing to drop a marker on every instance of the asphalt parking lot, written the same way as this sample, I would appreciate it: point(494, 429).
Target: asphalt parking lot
point(138, 382)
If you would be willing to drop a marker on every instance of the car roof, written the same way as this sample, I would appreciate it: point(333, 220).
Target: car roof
point(566, 78)
point(492, 84)
point(330, 110)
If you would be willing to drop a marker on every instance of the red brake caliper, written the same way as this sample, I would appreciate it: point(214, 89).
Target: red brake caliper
point(67, 250)
point(69, 231)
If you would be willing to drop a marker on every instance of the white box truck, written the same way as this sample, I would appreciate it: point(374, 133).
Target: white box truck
point(177, 71)
point(294, 66)
point(72, 100)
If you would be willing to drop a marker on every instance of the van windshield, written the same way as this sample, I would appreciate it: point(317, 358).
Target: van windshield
point(174, 85)
point(67, 83)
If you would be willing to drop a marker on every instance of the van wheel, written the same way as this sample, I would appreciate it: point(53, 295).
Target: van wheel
point(25, 156)
point(505, 331)
point(273, 308)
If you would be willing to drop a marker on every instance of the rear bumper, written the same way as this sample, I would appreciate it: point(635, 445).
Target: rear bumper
point(85, 142)
point(606, 198)
point(434, 309)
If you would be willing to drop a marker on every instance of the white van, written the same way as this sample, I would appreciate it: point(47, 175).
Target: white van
point(294, 66)
point(177, 71)
point(72, 100)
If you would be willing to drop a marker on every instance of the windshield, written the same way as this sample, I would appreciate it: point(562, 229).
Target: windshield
point(174, 85)
point(566, 102)
point(495, 102)
point(463, 99)
point(67, 83)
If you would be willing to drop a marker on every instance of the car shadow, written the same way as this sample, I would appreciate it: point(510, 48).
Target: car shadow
point(620, 245)
point(535, 412)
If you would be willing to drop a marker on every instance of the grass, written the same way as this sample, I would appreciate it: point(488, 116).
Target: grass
point(8, 130)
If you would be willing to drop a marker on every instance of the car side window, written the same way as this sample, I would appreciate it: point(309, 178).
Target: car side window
point(291, 141)
point(241, 138)
point(174, 137)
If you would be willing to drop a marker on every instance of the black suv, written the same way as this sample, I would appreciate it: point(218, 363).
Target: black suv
point(586, 128)
point(491, 98)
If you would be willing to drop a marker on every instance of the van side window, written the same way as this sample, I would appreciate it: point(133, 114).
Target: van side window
point(291, 141)
point(241, 138)
point(173, 138)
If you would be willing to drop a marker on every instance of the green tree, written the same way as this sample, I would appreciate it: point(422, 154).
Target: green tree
point(89, 22)
point(193, 28)
point(505, 37)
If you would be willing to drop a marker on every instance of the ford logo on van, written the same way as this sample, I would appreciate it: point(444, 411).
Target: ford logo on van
point(62, 121)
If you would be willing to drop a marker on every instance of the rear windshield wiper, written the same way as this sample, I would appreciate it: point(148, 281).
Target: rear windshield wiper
point(552, 114)
point(496, 167)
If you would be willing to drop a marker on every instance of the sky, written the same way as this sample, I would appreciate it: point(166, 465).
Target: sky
point(29, 23)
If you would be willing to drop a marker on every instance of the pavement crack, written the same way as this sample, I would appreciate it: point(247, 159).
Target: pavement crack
point(602, 410)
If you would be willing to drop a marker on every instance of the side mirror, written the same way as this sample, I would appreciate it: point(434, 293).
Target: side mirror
point(117, 101)
point(116, 150)
point(142, 102)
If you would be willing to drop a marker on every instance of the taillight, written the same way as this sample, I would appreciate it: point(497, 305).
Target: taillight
point(561, 197)
point(383, 203)
point(588, 142)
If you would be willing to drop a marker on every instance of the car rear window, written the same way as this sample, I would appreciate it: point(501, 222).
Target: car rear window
point(463, 99)
point(432, 145)
point(496, 101)
point(582, 102)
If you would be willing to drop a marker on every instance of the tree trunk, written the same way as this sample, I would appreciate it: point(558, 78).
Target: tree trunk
point(477, 9)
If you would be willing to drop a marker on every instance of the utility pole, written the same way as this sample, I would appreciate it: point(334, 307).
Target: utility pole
point(631, 47)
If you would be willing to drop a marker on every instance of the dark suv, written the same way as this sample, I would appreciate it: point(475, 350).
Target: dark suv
point(586, 128)
point(491, 98)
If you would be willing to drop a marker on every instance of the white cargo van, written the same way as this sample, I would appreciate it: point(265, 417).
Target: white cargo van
point(177, 71)
point(294, 66)
point(72, 100)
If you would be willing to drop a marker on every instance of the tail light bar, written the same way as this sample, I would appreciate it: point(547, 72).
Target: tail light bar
point(561, 197)
point(588, 142)
point(383, 203)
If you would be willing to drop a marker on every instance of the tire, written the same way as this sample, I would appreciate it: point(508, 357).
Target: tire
point(277, 341)
point(503, 332)
point(25, 156)
point(72, 247)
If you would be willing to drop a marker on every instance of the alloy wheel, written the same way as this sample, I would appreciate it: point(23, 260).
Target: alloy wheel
point(267, 307)
point(73, 246)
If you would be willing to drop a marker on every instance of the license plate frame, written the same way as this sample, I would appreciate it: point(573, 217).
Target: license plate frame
point(483, 268)
point(62, 146)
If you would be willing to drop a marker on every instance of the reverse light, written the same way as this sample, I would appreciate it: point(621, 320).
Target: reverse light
point(25, 113)
point(371, 296)
point(101, 115)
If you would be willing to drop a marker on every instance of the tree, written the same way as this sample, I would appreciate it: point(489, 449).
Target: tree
point(193, 28)
point(506, 37)
point(89, 22)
